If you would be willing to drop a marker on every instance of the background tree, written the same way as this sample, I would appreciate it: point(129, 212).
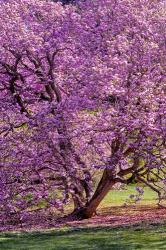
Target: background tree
point(82, 88)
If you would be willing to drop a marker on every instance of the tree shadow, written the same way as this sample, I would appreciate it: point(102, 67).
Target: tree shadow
point(127, 238)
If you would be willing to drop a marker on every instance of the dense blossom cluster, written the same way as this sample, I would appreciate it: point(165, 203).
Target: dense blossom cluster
point(82, 87)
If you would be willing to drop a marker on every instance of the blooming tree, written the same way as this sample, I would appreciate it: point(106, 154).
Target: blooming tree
point(82, 88)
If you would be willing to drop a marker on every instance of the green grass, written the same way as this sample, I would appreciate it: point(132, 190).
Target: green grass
point(118, 197)
point(129, 238)
point(145, 238)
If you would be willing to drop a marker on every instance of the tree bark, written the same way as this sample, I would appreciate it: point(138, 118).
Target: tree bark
point(106, 183)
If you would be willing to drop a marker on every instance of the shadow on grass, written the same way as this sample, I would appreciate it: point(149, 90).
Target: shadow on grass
point(129, 238)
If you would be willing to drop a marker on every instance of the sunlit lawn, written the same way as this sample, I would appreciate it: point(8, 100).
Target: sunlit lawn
point(142, 237)
point(153, 238)
point(119, 197)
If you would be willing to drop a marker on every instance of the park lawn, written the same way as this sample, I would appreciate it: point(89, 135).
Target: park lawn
point(143, 237)
point(127, 238)
point(119, 197)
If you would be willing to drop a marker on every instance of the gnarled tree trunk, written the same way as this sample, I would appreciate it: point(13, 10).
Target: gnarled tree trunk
point(106, 183)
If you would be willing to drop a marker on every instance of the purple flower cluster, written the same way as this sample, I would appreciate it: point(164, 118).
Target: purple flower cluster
point(80, 86)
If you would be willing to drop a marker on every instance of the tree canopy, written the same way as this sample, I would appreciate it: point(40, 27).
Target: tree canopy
point(82, 87)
